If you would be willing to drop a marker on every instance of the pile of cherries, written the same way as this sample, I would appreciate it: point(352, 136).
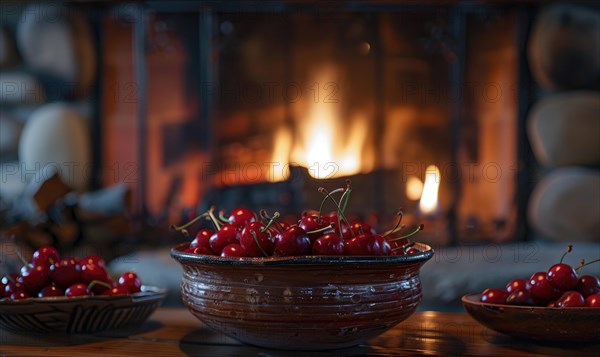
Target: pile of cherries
point(247, 234)
point(49, 275)
point(560, 286)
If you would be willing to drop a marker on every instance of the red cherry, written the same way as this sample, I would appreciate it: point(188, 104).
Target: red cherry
point(78, 290)
point(493, 296)
point(412, 250)
point(130, 281)
point(199, 251)
point(540, 288)
point(35, 279)
point(552, 303)
point(571, 299)
point(516, 285)
point(13, 287)
point(233, 250)
point(588, 285)
point(2, 290)
point(357, 227)
point(93, 259)
point(292, 241)
point(51, 290)
point(19, 295)
point(117, 290)
point(367, 244)
point(562, 276)
point(520, 297)
point(202, 238)
point(46, 255)
point(65, 272)
point(593, 301)
point(256, 240)
point(91, 272)
point(228, 234)
point(328, 244)
point(239, 217)
point(311, 223)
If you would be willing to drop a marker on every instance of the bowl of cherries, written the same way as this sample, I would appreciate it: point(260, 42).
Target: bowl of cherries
point(321, 283)
point(559, 304)
point(69, 295)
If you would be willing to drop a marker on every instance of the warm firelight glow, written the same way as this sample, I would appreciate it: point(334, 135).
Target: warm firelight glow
point(429, 198)
point(414, 188)
point(328, 144)
point(280, 156)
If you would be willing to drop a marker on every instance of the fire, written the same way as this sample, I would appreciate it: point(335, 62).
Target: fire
point(414, 188)
point(429, 198)
point(328, 144)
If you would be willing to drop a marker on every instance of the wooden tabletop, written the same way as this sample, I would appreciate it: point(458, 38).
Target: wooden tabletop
point(175, 332)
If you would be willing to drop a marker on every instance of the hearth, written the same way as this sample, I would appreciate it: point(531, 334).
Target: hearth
point(421, 107)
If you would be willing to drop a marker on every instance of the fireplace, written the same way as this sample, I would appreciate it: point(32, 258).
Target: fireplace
point(421, 107)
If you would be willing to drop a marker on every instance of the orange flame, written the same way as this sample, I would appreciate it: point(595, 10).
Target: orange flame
point(429, 199)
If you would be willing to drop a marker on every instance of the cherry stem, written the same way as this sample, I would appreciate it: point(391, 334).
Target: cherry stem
point(583, 263)
point(258, 243)
point(419, 228)
point(183, 227)
point(214, 219)
point(263, 214)
point(222, 217)
point(395, 229)
point(346, 196)
point(99, 282)
point(569, 249)
point(340, 213)
point(320, 229)
point(323, 203)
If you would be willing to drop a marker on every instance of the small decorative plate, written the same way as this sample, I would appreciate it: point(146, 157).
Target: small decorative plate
point(86, 314)
point(554, 324)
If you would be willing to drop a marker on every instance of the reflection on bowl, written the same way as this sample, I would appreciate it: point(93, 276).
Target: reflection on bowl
point(302, 303)
point(553, 324)
point(84, 314)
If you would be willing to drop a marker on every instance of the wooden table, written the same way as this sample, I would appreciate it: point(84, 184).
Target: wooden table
point(175, 332)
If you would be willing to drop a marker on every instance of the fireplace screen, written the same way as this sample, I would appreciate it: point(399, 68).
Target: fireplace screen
point(416, 105)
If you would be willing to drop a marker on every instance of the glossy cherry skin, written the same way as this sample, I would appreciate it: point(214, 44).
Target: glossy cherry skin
point(228, 234)
point(562, 276)
point(240, 216)
point(130, 281)
point(199, 251)
point(93, 259)
point(202, 238)
point(46, 255)
point(356, 227)
point(571, 299)
point(312, 223)
point(520, 297)
point(540, 288)
point(116, 290)
point(35, 279)
point(593, 301)
point(51, 290)
point(13, 287)
point(233, 250)
point(91, 272)
point(493, 296)
point(411, 250)
point(328, 244)
point(367, 244)
point(293, 241)
point(65, 272)
point(19, 295)
point(515, 285)
point(78, 290)
point(588, 285)
point(265, 238)
point(552, 303)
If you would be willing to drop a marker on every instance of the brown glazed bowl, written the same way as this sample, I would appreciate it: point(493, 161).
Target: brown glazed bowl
point(550, 324)
point(302, 303)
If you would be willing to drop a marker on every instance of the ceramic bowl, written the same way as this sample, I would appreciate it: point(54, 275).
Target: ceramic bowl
point(86, 314)
point(302, 303)
point(553, 324)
